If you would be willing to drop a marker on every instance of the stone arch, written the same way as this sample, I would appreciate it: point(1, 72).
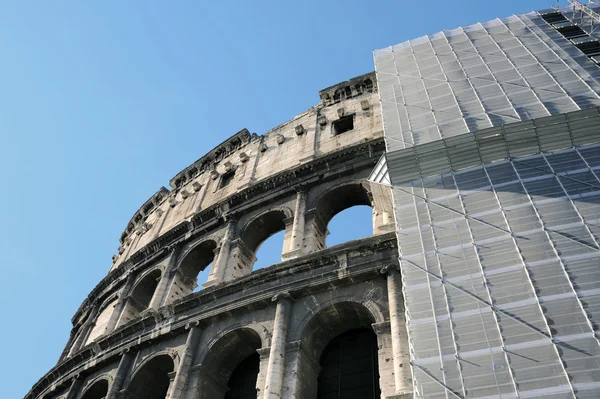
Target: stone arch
point(141, 294)
point(264, 225)
point(105, 312)
point(152, 377)
point(190, 264)
point(340, 318)
point(335, 200)
point(257, 230)
point(220, 362)
point(375, 312)
point(97, 388)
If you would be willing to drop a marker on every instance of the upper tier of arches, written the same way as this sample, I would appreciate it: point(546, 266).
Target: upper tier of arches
point(237, 166)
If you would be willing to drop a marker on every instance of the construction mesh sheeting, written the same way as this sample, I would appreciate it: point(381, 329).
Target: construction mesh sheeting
point(488, 74)
point(501, 276)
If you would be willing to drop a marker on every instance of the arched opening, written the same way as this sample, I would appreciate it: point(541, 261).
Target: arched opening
point(231, 366)
point(349, 368)
point(343, 343)
point(352, 205)
point(144, 291)
point(152, 380)
point(140, 297)
point(350, 224)
point(258, 231)
point(269, 251)
point(98, 390)
point(242, 383)
point(194, 269)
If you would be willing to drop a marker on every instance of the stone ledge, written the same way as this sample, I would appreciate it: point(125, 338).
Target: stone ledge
point(401, 396)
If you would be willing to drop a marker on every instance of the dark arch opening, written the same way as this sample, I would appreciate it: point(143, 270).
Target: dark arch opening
point(98, 390)
point(349, 367)
point(336, 201)
point(231, 362)
point(195, 267)
point(262, 229)
point(319, 333)
point(140, 297)
point(152, 380)
point(144, 291)
point(242, 383)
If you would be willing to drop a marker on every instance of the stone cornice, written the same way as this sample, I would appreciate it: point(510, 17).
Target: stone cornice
point(208, 161)
point(354, 87)
point(238, 296)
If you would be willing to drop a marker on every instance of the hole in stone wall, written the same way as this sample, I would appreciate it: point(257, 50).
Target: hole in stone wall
point(263, 237)
point(350, 224)
point(202, 278)
point(269, 252)
point(144, 290)
point(98, 390)
point(242, 384)
point(196, 266)
point(349, 367)
point(226, 179)
point(152, 380)
point(343, 125)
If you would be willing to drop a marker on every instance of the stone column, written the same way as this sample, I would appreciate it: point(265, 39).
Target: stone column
point(86, 328)
point(296, 243)
point(263, 366)
point(122, 370)
point(301, 373)
point(385, 357)
point(116, 314)
point(172, 376)
point(220, 264)
point(159, 296)
point(274, 380)
point(318, 232)
point(187, 358)
point(73, 391)
point(400, 352)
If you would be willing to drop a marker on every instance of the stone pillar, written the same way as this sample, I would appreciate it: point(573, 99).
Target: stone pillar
point(297, 241)
point(86, 328)
point(73, 391)
point(172, 376)
point(204, 384)
point(316, 241)
point(220, 264)
point(385, 359)
point(116, 314)
point(400, 352)
point(274, 380)
point(240, 261)
point(301, 373)
point(187, 358)
point(263, 366)
point(122, 370)
point(159, 296)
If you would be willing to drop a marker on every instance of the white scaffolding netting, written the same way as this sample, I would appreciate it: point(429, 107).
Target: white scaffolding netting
point(501, 272)
point(500, 262)
point(488, 74)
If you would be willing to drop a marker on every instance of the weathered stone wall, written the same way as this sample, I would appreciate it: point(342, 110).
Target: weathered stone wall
point(142, 329)
point(308, 136)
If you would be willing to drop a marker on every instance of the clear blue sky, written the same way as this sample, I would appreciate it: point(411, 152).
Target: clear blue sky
point(103, 102)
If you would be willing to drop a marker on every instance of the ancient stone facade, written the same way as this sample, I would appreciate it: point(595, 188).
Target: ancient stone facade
point(269, 333)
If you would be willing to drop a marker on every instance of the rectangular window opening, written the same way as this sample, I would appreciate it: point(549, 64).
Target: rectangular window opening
point(226, 179)
point(342, 125)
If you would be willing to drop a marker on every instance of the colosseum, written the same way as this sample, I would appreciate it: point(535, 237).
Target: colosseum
point(325, 322)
